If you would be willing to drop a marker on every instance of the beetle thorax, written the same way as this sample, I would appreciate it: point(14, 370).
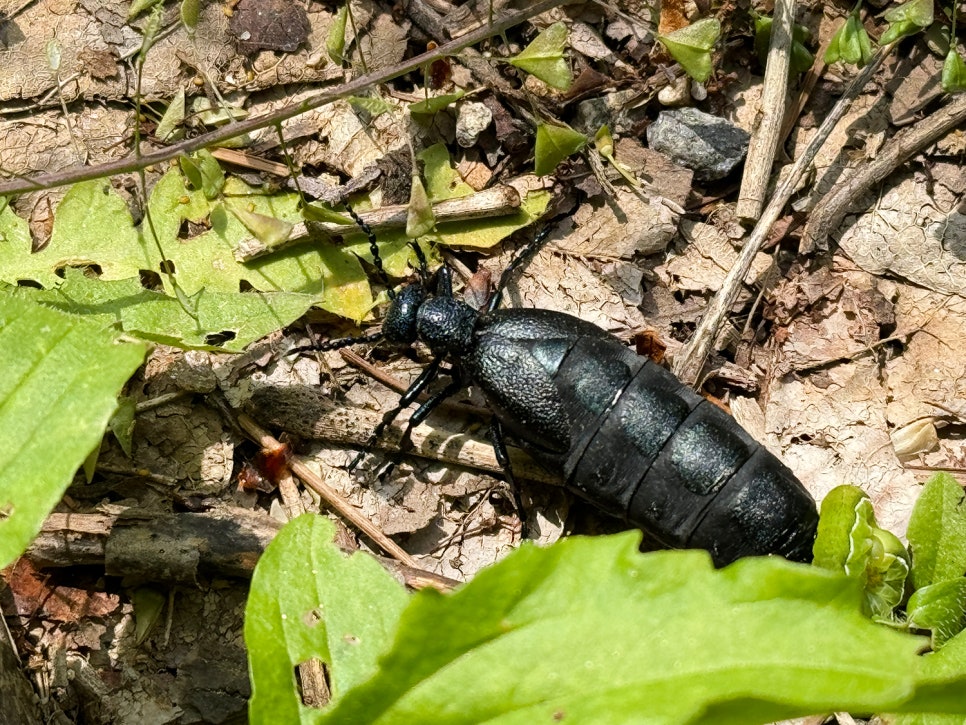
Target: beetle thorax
point(446, 325)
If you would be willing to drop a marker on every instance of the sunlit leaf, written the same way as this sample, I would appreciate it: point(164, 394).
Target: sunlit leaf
point(544, 58)
point(691, 47)
point(554, 143)
point(954, 72)
point(335, 39)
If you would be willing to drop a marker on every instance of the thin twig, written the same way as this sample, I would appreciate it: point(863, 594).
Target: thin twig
point(135, 162)
point(691, 360)
point(767, 134)
point(830, 211)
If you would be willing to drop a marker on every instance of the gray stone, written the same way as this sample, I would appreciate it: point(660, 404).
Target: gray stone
point(708, 145)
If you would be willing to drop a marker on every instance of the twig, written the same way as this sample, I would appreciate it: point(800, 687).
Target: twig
point(135, 162)
point(830, 211)
point(764, 140)
point(222, 542)
point(331, 497)
point(497, 201)
point(691, 360)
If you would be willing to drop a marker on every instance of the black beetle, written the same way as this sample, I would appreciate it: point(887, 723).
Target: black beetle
point(623, 432)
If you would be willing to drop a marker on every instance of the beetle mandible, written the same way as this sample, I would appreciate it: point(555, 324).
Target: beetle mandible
point(621, 431)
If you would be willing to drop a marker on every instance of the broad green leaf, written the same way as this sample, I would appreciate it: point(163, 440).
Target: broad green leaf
point(849, 541)
point(554, 143)
point(320, 212)
point(940, 608)
point(148, 603)
point(941, 681)
point(544, 58)
point(954, 72)
point(691, 47)
point(937, 532)
point(310, 601)
point(61, 377)
point(419, 215)
point(224, 321)
point(906, 19)
point(850, 43)
point(591, 630)
point(435, 104)
point(204, 172)
point(335, 39)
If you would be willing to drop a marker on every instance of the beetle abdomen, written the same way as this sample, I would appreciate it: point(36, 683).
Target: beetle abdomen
point(640, 445)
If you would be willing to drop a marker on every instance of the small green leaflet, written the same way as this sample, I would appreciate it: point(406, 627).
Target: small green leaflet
point(954, 73)
point(850, 43)
point(335, 39)
point(906, 19)
point(937, 532)
point(554, 144)
point(435, 104)
point(544, 58)
point(691, 47)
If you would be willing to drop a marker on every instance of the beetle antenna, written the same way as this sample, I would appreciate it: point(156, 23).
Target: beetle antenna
point(421, 258)
point(373, 248)
point(525, 255)
point(337, 344)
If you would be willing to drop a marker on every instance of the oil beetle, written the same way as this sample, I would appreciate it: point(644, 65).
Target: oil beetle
point(622, 432)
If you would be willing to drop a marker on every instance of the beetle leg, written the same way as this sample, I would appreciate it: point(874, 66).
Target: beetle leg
point(412, 392)
point(422, 412)
point(503, 458)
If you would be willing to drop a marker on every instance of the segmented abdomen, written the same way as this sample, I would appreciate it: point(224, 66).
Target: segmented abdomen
point(646, 448)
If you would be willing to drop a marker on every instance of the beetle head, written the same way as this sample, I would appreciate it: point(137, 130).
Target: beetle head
point(399, 325)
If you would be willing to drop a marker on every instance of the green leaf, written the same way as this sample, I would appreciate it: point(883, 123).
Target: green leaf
point(266, 229)
point(122, 423)
point(554, 143)
point(309, 601)
point(190, 12)
point(544, 58)
point(937, 532)
point(170, 126)
point(419, 215)
point(222, 321)
point(849, 541)
point(442, 179)
point(691, 47)
point(941, 681)
point(370, 104)
point(591, 630)
point(320, 212)
point(850, 43)
point(148, 603)
point(604, 143)
point(139, 6)
point(435, 104)
point(335, 39)
point(954, 73)
point(940, 608)
point(906, 19)
point(61, 377)
point(204, 172)
point(801, 57)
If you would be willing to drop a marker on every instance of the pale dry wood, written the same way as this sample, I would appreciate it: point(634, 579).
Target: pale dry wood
point(767, 134)
point(235, 537)
point(498, 201)
point(307, 414)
